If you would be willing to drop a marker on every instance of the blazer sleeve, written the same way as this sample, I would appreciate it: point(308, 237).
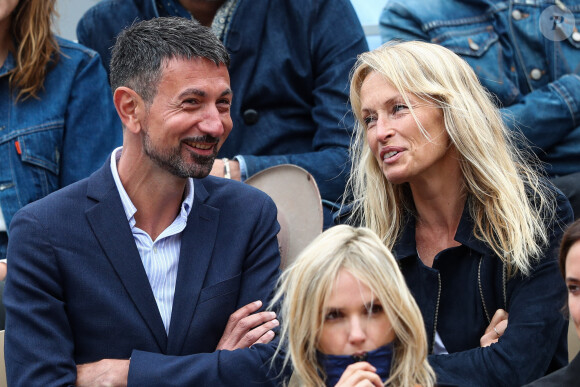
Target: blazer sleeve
point(249, 367)
point(38, 341)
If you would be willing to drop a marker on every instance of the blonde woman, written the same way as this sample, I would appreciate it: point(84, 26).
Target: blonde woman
point(349, 317)
point(438, 177)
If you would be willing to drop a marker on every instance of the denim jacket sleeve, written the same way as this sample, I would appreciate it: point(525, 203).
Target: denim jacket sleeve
point(336, 38)
point(546, 115)
point(92, 128)
point(536, 331)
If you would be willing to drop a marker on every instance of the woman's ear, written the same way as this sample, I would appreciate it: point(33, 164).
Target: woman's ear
point(130, 107)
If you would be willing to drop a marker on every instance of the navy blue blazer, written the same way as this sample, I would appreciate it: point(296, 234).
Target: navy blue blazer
point(77, 291)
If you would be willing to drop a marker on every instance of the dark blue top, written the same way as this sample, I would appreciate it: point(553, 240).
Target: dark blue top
point(461, 292)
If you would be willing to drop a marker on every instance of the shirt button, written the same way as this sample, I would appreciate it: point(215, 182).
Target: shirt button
point(250, 117)
point(155, 249)
point(576, 36)
point(536, 74)
point(516, 14)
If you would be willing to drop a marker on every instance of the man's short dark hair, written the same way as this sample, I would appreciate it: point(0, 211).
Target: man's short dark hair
point(142, 49)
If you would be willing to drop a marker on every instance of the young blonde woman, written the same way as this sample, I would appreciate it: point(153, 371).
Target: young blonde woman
point(349, 317)
point(439, 178)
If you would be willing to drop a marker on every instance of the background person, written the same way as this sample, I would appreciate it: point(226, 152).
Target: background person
point(58, 121)
point(570, 268)
point(350, 317)
point(289, 73)
point(472, 225)
point(526, 54)
point(133, 276)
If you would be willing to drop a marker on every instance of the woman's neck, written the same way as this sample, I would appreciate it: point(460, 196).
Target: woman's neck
point(5, 40)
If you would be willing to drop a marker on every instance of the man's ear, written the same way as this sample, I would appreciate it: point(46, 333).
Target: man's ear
point(130, 107)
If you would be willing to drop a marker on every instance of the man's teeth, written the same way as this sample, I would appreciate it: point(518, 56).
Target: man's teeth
point(389, 154)
point(199, 146)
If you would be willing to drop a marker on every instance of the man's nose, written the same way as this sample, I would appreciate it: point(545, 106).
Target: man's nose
point(212, 123)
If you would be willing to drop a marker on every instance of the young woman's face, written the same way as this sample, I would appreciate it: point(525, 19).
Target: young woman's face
point(354, 319)
point(573, 283)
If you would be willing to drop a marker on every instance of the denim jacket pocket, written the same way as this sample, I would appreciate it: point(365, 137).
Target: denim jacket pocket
point(40, 151)
point(480, 48)
point(568, 54)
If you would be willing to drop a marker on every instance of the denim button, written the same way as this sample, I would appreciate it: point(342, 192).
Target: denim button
point(516, 14)
point(576, 36)
point(536, 74)
point(474, 46)
point(250, 117)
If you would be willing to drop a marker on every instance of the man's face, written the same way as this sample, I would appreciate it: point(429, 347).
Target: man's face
point(189, 118)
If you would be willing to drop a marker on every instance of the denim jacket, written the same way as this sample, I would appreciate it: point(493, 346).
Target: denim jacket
point(459, 294)
point(535, 79)
point(290, 61)
point(62, 137)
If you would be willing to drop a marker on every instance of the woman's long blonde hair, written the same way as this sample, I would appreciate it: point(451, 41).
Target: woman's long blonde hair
point(508, 201)
point(305, 286)
point(36, 47)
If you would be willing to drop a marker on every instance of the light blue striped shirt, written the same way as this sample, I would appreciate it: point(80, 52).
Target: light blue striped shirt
point(160, 257)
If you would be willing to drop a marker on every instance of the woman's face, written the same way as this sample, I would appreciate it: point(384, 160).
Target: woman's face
point(354, 320)
point(6, 8)
point(573, 283)
point(402, 151)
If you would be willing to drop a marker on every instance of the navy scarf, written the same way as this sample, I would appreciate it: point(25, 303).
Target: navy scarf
point(334, 365)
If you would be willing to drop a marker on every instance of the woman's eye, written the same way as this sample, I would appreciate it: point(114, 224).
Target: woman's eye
point(398, 107)
point(368, 120)
point(574, 289)
point(376, 309)
point(332, 315)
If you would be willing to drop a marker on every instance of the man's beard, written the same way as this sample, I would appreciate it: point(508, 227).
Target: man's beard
point(172, 160)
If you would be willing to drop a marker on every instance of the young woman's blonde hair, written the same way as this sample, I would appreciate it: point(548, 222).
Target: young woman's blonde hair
point(35, 45)
point(507, 199)
point(305, 286)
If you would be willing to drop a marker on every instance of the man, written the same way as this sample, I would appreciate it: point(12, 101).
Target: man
point(526, 54)
point(290, 65)
point(130, 276)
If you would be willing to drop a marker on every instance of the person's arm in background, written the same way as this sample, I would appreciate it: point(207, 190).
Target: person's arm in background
point(336, 40)
point(92, 128)
point(545, 116)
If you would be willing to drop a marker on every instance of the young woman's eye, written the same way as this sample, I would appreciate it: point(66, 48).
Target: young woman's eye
point(332, 315)
point(376, 309)
point(574, 289)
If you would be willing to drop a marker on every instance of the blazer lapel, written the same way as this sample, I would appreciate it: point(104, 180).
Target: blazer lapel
point(197, 243)
point(110, 226)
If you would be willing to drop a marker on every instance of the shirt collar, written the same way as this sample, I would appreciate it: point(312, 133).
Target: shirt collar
point(128, 205)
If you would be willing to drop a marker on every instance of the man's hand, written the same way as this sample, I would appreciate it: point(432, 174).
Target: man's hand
point(218, 169)
point(245, 329)
point(360, 374)
point(103, 373)
point(3, 270)
point(495, 329)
